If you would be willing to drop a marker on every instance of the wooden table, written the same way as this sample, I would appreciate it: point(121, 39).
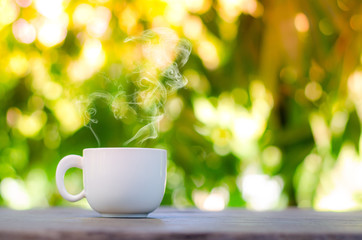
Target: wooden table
point(168, 223)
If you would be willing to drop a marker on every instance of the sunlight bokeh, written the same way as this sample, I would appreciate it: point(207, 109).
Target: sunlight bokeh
point(270, 116)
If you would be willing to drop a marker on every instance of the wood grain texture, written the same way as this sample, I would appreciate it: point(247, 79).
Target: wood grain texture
point(168, 223)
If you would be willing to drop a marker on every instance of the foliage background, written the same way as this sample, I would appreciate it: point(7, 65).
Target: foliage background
point(271, 115)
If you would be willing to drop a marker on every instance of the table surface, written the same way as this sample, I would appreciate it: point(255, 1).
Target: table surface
point(169, 223)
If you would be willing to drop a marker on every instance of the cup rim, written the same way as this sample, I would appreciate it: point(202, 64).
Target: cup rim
point(123, 148)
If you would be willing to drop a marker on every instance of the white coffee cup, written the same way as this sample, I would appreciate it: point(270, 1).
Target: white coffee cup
point(118, 182)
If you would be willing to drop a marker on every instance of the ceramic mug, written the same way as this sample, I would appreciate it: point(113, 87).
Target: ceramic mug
point(118, 182)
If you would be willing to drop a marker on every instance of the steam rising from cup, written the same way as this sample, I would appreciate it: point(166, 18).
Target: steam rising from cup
point(157, 74)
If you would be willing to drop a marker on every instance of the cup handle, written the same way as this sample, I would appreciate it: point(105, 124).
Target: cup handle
point(63, 166)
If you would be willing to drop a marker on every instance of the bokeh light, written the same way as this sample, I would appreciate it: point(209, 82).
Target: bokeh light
point(301, 22)
point(24, 3)
point(49, 9)
point(23, 31)
point(9, 11)
point(52, 31)
point(270, 116)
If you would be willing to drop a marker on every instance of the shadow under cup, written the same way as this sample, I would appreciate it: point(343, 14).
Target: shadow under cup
point(118, 182)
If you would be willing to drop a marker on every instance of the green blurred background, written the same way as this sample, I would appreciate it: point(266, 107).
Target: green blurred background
point(270, 117)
